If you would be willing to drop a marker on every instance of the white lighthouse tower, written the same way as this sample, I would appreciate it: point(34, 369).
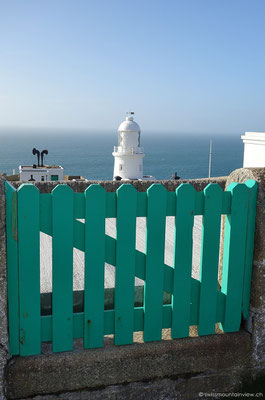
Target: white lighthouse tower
point(128, 155)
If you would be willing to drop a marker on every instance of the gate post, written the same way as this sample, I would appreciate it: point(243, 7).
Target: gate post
point(3, 288)
point(256, 321)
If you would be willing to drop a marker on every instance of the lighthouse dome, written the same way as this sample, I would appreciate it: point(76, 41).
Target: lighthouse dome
point(129, 125)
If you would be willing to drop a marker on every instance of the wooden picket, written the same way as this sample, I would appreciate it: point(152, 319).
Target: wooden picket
point(29, 269)
point(182, 260)
point(95, 197)
point(155, 247)
point(210, 258)
point(234, 256)
point(62, 272)
point(187, 301)
point(12, 267)
point(125, 264)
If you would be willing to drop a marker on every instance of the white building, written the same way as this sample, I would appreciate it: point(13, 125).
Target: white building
point(254, 149)
point(128, 155)
point(41, 174)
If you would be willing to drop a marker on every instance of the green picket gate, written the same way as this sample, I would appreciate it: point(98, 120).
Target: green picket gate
point(192, 302)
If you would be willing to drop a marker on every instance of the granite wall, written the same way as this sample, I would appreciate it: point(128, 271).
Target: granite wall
point(3, 289)
point(256, 324)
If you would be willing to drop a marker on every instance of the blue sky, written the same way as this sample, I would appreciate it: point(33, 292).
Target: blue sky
point(189, 66)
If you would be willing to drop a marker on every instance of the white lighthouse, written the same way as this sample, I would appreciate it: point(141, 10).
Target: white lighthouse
point(128, 155)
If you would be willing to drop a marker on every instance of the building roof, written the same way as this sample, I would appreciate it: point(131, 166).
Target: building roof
point(129, 125)
point(40, 168)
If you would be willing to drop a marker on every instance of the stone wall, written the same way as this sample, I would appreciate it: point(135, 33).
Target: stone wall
point(141, 186)
point(169, 369)
point(188, 363)
point(256, 324)
point(3, 288)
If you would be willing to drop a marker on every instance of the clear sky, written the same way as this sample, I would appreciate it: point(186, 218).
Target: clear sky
point(182, 66)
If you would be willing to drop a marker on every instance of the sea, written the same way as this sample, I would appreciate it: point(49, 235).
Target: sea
point(90, 154)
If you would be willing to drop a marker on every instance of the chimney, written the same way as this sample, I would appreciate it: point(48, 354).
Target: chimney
point(42, 154)
point(34, 152)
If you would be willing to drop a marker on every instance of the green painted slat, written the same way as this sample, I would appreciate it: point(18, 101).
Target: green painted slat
point(234, 256)
point(62, 271)
point(141, 204)
point(171, 203)
point(12, 268)
point(252, 203)
point(140, 260)
point(79, 235)
point(168, 279)
point(226, 203)
point(111, 205)
point(110, 250)
point(194, 301)
point(95, 197)
point(155, 245)
point(79, 205)
point(46, 328)
point(199, 203)
point(185, 194)
point(213, 195)
point(46, 213)
point(29, 269)
point(125, 264)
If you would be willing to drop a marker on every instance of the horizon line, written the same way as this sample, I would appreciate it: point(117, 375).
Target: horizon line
point(109, 130)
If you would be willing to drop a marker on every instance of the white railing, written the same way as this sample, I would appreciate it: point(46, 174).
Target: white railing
point(128, 150)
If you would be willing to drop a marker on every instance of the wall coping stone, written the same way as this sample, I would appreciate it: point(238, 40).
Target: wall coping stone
point(141, 186)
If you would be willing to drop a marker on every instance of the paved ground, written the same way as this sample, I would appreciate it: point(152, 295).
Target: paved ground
point(46, 253)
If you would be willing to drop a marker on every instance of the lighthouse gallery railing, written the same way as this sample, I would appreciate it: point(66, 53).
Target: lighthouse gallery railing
point(128, 150)
point(191, 301)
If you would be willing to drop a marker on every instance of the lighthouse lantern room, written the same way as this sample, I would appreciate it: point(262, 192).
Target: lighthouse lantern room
point(128, 155)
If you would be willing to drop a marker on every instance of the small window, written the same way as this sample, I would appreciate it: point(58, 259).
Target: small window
point(140, 167)
point(54, 177)
point(42, 178)
point(120, 167)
